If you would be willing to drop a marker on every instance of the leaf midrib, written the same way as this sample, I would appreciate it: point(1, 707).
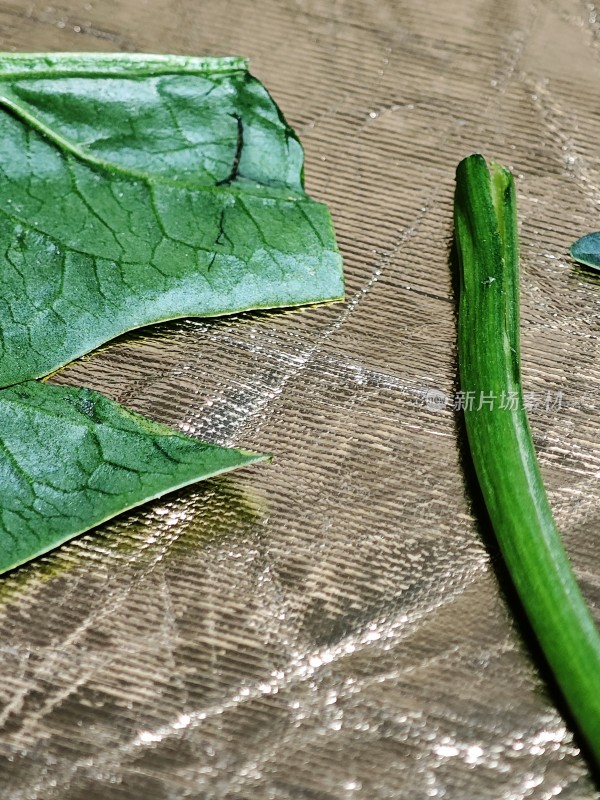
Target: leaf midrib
point(284, 193)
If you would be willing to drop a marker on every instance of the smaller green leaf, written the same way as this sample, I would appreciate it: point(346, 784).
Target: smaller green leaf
point(71, 459)
point(587, 250)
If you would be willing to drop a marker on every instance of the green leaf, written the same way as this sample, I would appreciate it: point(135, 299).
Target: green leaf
point(71, 459)
point(136, 189)
point(500, 442)
point(587, 250)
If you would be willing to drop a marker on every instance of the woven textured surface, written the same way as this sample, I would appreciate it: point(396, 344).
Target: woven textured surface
point(335, 625)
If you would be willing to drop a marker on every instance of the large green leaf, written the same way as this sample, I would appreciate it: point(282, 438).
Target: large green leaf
point(136, 189)
point(72, 458)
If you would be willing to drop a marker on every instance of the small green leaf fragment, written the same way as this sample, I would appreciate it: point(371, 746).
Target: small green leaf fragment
point(72, 458)
point(587, 250)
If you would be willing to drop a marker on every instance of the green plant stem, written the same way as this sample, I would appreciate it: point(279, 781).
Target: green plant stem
point(500, 439)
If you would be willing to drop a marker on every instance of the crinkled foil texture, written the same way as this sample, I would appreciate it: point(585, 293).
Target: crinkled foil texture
point(336, 624)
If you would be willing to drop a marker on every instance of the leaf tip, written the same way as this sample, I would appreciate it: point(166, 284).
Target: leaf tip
point(586, 250)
